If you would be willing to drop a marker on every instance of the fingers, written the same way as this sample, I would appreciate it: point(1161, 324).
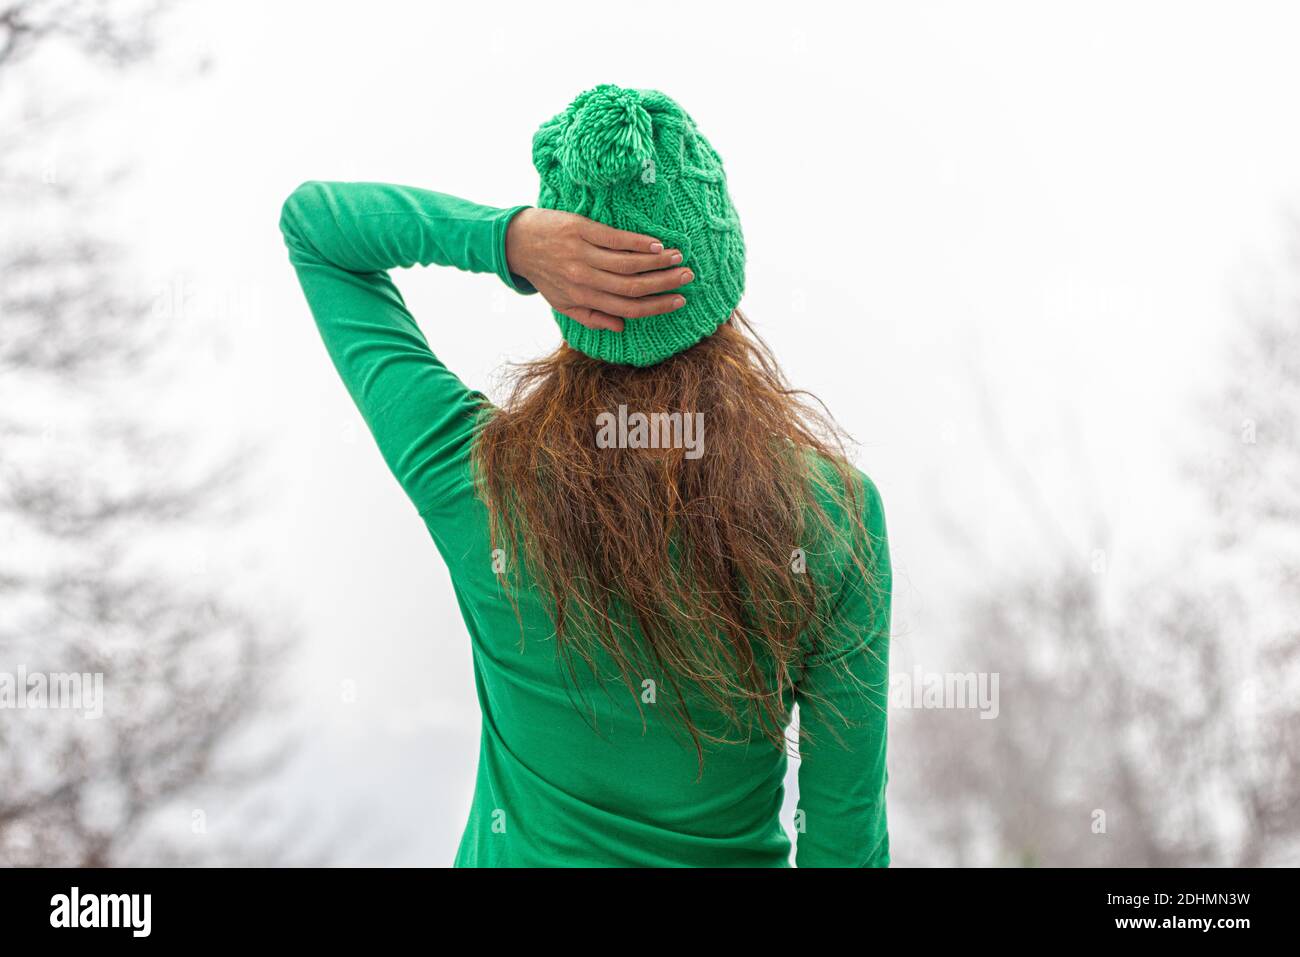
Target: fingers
point(633, 308)
point(644, 284)
point(617, 275)
point(631, 263)
point(594, 319)
point(612, 310)
point(598, 234)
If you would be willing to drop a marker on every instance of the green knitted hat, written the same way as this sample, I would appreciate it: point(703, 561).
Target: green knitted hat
point(634, 160)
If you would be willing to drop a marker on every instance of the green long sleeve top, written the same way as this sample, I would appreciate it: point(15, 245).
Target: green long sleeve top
point(550, 790)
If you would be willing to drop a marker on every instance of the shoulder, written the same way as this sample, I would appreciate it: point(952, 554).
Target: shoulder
point(847, 495)
point(853, 545)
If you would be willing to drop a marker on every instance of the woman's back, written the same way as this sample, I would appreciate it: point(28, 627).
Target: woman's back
point(578, 769)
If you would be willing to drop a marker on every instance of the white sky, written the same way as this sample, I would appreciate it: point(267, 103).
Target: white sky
point(1058, 202)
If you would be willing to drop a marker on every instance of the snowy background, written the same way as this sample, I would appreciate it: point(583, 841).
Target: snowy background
point(1038, 262)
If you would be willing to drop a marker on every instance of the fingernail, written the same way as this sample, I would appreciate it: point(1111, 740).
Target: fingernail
point(656, 247)
point(679, 301)
point(687, 276)
point(676, 258)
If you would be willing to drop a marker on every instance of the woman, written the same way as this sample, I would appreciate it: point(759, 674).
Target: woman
point(657, 547)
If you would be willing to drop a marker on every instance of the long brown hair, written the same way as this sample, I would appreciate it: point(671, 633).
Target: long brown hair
point(677, 563)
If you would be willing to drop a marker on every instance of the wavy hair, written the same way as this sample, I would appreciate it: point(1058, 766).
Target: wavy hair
point(675, 562)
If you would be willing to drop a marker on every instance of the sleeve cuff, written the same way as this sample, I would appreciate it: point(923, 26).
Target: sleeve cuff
point(516, 282)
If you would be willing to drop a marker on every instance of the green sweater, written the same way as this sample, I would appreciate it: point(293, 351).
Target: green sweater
point(550, 790)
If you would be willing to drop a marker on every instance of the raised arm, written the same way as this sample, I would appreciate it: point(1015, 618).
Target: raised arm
point(342, 239)
point(843, 695)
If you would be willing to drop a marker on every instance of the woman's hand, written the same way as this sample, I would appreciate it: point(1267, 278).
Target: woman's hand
point(592, 273)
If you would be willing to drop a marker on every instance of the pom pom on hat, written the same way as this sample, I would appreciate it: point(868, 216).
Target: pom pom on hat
point(609, 137)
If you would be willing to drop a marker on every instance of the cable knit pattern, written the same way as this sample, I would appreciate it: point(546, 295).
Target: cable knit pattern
point(633, 159)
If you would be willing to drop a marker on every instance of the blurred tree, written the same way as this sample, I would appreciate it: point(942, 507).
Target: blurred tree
point(1159, 726)
point(86, 488)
